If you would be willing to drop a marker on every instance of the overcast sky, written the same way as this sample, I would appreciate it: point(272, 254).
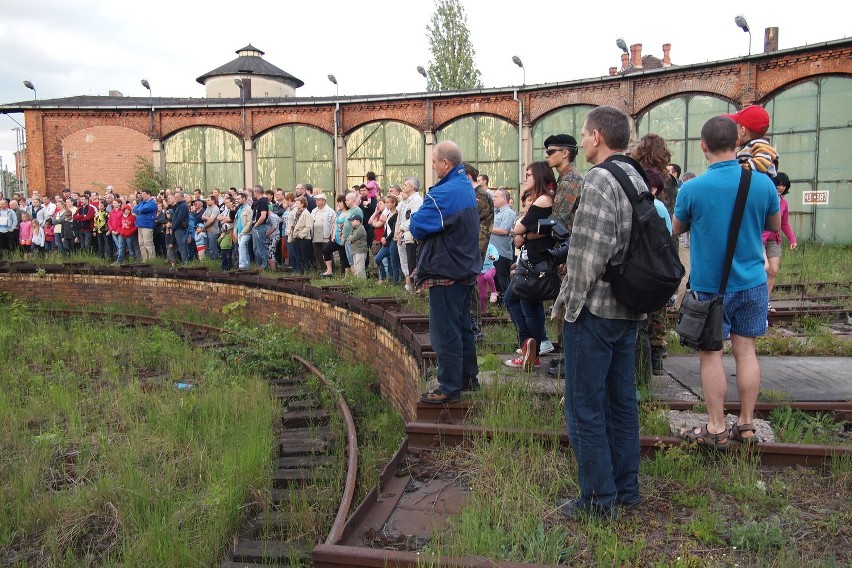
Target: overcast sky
point(372, 46)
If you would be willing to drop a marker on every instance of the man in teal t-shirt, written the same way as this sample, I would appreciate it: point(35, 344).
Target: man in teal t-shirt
point(704, 207)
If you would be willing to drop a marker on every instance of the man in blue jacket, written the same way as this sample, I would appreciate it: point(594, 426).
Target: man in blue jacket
point(146, 213)
point(447, 224)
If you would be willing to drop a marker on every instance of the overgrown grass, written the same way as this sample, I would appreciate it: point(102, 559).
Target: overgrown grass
point(814, 262)
point(797, 427)
point(698, 510)
point(102, 468)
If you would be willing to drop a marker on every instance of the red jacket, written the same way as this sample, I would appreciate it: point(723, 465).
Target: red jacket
point(128, 226)
point(114, 219)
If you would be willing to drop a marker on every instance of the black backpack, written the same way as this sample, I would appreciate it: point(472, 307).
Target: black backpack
point(650, 271)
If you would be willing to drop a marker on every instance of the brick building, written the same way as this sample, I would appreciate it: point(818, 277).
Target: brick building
point(252, 131)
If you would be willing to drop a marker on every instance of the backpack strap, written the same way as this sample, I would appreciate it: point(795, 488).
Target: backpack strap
point(734, 231)
point(632, 195)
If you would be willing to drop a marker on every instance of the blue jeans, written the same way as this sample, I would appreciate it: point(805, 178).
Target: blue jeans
point(601, 409)
point(395, 270)
point(259, 244)
point(452, 336)
point(295, 256)
point(382, 256)
point(130, 243)
point(244, 241)
point(213, 246)
point(182, 246)
point(527, 315)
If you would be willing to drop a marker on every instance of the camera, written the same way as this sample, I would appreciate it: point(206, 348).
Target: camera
point(557, 230)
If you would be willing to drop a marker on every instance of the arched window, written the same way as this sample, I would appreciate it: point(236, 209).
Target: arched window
point(810, 125)
point(204, 158)
point(489, 143)
point(390, 149)
point(292, 154)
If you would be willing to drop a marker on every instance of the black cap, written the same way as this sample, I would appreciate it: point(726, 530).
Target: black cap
point(564, 140)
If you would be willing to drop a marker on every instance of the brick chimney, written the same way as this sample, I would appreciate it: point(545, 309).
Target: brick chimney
point(770, 40)
point(613, 71)
point(636, 55)
point(625, 59)
point(667, 59)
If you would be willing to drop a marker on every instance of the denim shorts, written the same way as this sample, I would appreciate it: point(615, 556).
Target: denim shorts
point(746, 311)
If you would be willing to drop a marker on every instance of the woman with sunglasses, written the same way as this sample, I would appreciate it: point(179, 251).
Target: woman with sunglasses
point(528, 314)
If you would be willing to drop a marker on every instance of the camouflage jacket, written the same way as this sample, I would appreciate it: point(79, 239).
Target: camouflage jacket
point(485, 205)
point(567, 192)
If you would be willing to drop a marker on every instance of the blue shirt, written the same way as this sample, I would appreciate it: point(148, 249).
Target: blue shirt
point(661, 211)
point(706, 205)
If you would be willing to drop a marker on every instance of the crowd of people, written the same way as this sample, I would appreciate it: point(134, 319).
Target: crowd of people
point(460, 239)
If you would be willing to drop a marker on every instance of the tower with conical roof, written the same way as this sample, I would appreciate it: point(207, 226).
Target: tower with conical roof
point(260, 79)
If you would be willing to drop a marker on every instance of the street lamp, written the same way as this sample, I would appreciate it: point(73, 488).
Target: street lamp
point(333, 79)
point(622, 45)
point(239, 83)
point(30, 86)
point(517, 61)
point(422, 71)
point(147, 85)
point(743, 24)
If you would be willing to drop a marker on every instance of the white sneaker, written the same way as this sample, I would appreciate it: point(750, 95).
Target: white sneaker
point(545, 347)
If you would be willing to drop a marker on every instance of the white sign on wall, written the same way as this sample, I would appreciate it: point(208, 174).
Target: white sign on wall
point(815, 197)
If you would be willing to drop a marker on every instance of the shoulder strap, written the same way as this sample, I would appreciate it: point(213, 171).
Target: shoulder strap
point(736, 221)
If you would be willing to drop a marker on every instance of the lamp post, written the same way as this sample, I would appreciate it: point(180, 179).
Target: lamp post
point(422, 71)
point(239, 83)
point(333, 79)
point(743, 24)
point(622, 45)
point(147, 85)
point(517, 61)
point(30, 86)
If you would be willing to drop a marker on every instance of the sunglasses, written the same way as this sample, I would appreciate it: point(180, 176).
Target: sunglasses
point(551, 151)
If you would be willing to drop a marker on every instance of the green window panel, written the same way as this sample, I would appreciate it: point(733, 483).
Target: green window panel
point(566, 120)
point(834, 154)
point(794, 110)
point(667, 119)
point(835, 102)
point(796, 153)
point(204, 158)
point(392, 150)
point(701, 109)
point(291, 154)
point(832, 221)
point(490, 144)
point(679, 121)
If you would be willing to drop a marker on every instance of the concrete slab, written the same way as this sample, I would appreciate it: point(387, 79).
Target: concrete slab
point(803, 378)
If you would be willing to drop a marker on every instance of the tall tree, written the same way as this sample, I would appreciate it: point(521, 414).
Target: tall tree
point(452, 65)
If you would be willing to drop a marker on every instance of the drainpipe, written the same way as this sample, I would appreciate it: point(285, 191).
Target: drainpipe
point(520, 140)
point(334, 149)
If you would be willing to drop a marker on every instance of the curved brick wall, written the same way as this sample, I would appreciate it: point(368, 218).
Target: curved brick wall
point(358, 329)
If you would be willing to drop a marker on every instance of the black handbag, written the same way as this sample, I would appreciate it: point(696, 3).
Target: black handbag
point(699, 322)
point(538, 281)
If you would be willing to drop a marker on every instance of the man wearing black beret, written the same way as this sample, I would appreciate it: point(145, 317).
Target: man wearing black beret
point(561, 151)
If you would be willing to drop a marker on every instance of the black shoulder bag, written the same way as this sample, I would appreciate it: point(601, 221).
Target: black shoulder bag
point(699, 323)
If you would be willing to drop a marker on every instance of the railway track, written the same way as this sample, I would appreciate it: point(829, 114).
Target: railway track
point(305, 439)
point(304, 459)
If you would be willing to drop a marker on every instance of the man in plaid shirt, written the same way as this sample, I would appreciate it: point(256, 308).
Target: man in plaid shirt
point(600, 332)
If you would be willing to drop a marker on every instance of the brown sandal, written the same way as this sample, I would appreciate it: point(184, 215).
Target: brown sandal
point(737, 433)
point(700, 436)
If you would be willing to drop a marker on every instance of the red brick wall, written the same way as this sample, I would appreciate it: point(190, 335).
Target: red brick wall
point(352, 335)
point(742, 81)
point(103, 155)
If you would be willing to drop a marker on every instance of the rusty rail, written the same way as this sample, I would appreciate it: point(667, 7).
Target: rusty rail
point(429, 435)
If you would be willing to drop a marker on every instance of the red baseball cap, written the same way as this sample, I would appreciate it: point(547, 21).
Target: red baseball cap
point(753, 117)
